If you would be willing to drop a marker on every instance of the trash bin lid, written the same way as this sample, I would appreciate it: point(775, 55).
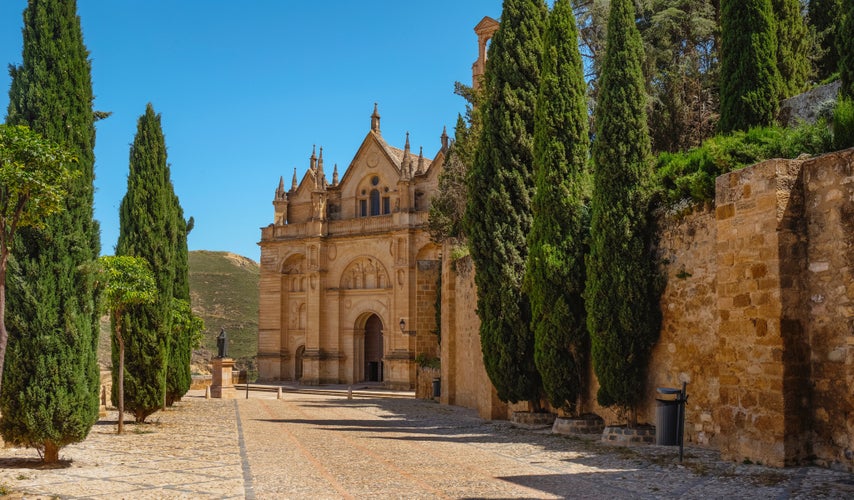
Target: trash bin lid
point(668, 390)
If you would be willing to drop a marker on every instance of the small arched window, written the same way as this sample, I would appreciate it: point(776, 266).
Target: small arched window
point(375, 202)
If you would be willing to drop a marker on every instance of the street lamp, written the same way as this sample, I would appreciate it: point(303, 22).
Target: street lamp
point(403, 329)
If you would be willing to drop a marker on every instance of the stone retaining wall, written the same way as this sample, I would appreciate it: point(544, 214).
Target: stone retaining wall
point(758, 318)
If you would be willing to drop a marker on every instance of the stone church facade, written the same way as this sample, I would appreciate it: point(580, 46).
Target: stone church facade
point(348, 272)
point(349, 276)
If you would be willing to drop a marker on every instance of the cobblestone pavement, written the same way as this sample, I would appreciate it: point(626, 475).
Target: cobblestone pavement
point(323, 445)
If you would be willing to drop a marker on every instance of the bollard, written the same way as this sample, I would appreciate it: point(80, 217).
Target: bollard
point(207, 392)
point(279, 393)
point(349, 392)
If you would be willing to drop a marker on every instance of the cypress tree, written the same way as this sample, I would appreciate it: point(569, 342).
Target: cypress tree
point(824, 18)
point(750, 81)
point(555, 275)
point(793, 46)
point(845, 46)
point(178, 376)
point(148, 230)
point(498, 212)
point(51, 377)
point(622, 306)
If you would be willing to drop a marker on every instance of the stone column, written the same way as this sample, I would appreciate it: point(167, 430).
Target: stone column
point(221, 383)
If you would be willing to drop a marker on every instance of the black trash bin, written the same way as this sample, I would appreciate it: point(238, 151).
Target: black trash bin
point(667, 417)
point(437, 387)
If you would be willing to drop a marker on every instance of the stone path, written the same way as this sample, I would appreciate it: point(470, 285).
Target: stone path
point(316, 445)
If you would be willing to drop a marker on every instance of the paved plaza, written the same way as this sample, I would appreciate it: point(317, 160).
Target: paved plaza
point(321, 444)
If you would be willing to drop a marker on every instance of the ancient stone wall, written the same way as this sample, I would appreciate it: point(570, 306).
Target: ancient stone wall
point(829, 301)
point(758, 318)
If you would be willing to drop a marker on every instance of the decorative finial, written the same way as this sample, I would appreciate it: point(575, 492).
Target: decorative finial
point(313, 159)
point(335, 175)
point(375, 120)
point(294, 184)
point(444, 138)
point(420, 160)
point(280, 191)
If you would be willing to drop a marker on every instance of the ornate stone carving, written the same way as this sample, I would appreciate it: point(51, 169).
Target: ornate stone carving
point(364, 273)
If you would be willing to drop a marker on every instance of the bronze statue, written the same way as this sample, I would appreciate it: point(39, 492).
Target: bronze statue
point(222, 344)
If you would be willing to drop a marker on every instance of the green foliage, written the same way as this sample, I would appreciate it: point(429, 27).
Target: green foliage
point(793, 47)
point(51, 386)
point(148, 230)
point(823, 18)
point(34, 178)
point(557, 241)
point(843, 123)
point(448, 205)
point(425, 361)
point(692, 174)
point(187, 329)
point(498, 211)
point(845, 47)
point(681, 71)
point(622, 303)
point(750, 80)
point(125, 281)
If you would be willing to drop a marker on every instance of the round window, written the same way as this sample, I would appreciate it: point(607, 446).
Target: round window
point(375, 180)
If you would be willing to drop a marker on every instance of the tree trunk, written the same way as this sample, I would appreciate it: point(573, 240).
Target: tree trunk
point(51, 452)
point(121, 390)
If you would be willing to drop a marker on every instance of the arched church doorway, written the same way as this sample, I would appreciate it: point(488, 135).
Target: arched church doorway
point(298, 363)
point(374, 349)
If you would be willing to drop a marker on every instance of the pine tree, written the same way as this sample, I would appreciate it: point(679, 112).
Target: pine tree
point(750, 81)
point(845, 46)
point(557, 242)
point(51, 378)
point(148, 230)
point(793, 46)
point(824, 18)
point(498, 212)
point(622, 306)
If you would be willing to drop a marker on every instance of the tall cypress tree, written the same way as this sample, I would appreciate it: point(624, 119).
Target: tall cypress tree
point(750, 82)
point(148, 230)
point(793, 46)
point(557, 242)
point(824, 18)
point(498, 213)
point(845, 46)
point(51, 378)
point(622, 306)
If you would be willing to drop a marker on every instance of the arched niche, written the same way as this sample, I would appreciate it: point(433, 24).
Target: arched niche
point(365, 273)
point(293, 272)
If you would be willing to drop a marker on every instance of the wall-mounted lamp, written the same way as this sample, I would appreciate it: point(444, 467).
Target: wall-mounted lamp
point(403, 329)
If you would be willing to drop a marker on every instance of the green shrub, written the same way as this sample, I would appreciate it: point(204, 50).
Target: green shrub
point(691, 174)
point(843, 124)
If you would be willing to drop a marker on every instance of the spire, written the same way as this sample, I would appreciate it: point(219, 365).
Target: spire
point(420, 160)
point(335, 175)
point(375, 120)
point(280, 191)
point(321, 177)
point(313, 160)
point(444, 138)
point(406, 163)
point(294, 184)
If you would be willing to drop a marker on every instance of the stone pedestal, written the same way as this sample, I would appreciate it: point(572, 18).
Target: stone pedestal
point(221, 383)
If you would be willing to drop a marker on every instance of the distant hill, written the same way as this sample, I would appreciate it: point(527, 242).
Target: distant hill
point(224, 292)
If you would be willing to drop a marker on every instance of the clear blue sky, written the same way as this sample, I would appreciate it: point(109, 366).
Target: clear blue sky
point(246, 88)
